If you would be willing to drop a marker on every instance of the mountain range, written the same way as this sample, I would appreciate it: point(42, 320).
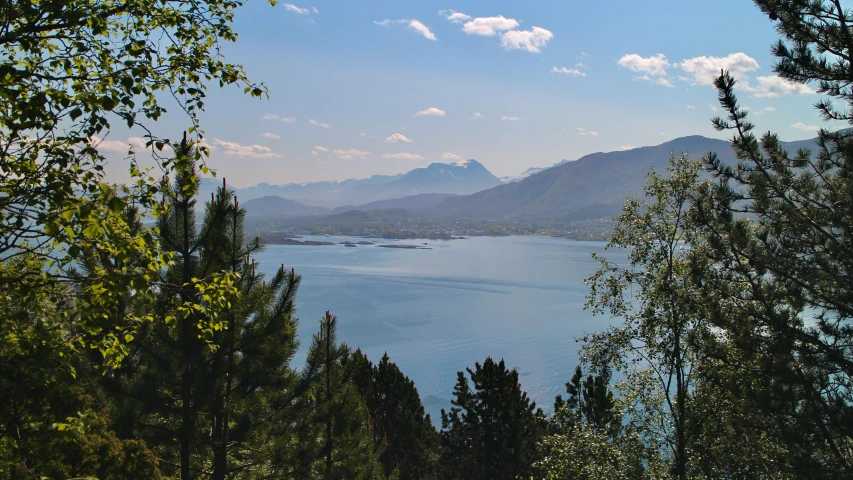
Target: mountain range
point(460, 178)
point(593, 186)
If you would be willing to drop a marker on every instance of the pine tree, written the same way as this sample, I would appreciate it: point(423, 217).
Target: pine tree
point(253, 387)
point(212, 391)
point(779, 224)
point(590, 402)
point(343, 433)
point(400, 426)
point(492, 430)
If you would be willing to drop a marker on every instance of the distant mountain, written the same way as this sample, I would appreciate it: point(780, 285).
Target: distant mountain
point(415, 203)
point(324, 194)
point(530, 171)
point(593, 186)
point(272, 206)
point(461, 178)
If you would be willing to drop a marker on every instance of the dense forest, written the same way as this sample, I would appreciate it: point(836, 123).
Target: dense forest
point(137, 339)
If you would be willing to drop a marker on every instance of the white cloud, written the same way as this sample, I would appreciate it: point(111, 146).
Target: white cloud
point(478, 116)
point(769, 109)
point(450, 156)
point(415, 25)
point(252, 151)
point(362, 134)
point(403, 156)
point(350, 154)
point(651, 66)
point(580, 65)
point(138, 142)
point(510, 119)
point(773, 86)
point(321, 149)
point(314, 152)
point(109, 145)
point(319, 124)
point(627, 147)
point(530, 40)
point(422, 29)
point(271, 116)
point(430, 111)
point(398, 137)
point(712, 107)
point(315, 9)
point(805, 128)
point(704, 70)
point(690, 107)
point(288, 120)
point(665, 134)
point(293, 8)
point(652, 69)
point(271, 135)
point(489, 26)
point(568, 71)
point(583, 131)
point(455, 17)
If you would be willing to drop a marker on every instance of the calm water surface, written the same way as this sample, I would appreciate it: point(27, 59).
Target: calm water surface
point(438, 311)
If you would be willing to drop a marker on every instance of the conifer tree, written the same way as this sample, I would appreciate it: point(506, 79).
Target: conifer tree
point(254, 390)
point(400, 426)
point(779, 224)
point(214, 395)
point(590, 402)
point(492, 430)
point(342, 433)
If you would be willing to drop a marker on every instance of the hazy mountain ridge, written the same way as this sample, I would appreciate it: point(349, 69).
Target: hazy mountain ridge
point(415, 203)
point(530, 171)
point(273, 206)
point(460, 178)
point(594, 186)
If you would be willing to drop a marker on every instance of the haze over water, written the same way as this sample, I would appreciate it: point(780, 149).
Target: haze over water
point(438, 311)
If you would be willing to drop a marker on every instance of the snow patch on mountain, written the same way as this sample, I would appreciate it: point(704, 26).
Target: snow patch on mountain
point(461, 163)
point(530, 171)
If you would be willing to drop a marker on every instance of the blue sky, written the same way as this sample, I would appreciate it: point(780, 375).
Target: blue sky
point(512, 84)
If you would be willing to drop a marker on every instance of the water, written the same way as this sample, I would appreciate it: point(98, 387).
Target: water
point(438, 311)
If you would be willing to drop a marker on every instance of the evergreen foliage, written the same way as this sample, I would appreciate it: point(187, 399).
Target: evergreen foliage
point(400, 426)
point(591, 402)
point(492, 430)
point(234, 388)
point(343, 434)
point(779, 225)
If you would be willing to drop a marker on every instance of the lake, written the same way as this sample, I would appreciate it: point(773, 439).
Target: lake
point(438, 311)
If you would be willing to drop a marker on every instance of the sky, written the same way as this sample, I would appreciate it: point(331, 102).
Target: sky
point(383, 87)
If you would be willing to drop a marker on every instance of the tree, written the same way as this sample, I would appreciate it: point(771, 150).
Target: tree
point(587, 439)
point(590, 401)
point(492, 430)
point(53, 423)
point(408, 440)
point(67, 71)
point(234, 395)
point(779, 226)
point(253, 387)
point(343, 432)
point(654, 349)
